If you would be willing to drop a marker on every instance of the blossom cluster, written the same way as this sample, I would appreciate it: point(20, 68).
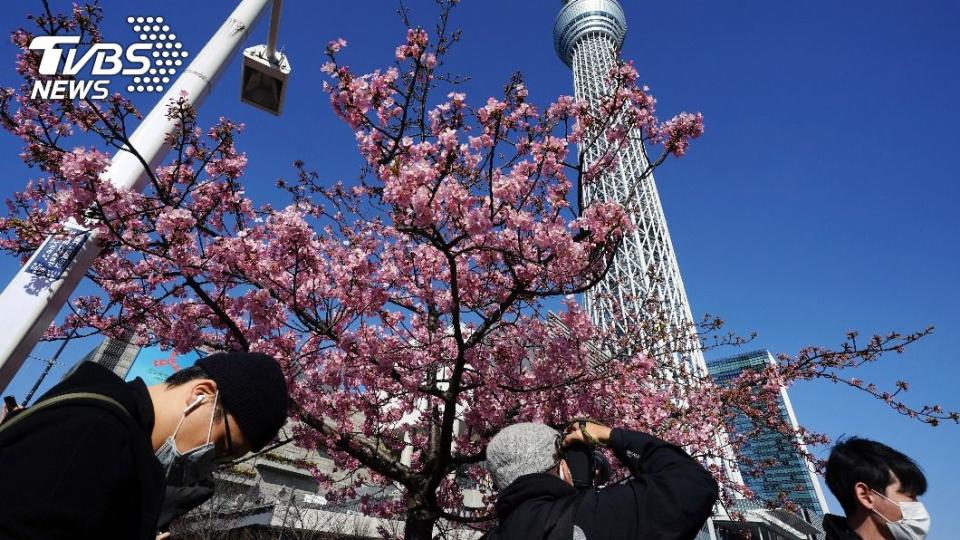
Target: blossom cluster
point(418, 311)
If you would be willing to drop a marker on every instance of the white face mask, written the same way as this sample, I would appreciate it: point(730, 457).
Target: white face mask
point(915, 523)
point(185, 468)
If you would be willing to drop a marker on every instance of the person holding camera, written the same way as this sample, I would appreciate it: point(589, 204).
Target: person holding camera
point(536, 469)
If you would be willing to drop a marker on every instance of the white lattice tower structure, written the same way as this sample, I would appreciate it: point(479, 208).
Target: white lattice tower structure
point(587, 36)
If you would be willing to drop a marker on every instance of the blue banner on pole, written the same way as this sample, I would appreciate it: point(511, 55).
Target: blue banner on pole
point(56, 254)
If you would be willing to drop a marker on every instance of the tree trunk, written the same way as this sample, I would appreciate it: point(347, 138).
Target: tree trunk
point(419, 524)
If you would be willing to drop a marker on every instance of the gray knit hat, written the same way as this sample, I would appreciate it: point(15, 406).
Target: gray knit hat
point(521, 449)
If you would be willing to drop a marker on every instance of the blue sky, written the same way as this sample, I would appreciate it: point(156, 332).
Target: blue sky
point(821, 198)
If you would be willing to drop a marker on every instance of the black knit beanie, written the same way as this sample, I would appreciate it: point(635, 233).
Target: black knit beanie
point(253, 390)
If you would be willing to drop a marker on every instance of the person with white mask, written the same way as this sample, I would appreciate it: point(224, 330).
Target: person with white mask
point(878, 488)
point(98, 457)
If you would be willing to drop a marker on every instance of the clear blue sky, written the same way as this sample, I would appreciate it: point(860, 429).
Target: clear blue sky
point(822, 197)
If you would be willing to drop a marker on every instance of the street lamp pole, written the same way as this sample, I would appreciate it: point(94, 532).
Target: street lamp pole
point(274, 32)
point(32, 299)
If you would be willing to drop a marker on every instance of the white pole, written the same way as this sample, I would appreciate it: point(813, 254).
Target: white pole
point(30, 301)
point(274, 32)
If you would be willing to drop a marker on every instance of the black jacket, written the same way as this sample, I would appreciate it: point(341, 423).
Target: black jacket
point(837, 528)
point(669, 497)
point(82, 469)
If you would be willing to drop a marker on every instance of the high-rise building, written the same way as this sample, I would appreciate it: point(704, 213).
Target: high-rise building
point(587, 36)
point(117, 355)
point(789, 472)
point(153, 364)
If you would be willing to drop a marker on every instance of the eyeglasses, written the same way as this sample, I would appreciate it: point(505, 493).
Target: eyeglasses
point(228, 455)
point(226, 429)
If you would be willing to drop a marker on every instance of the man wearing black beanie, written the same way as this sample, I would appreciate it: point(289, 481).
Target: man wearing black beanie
point(95, 457)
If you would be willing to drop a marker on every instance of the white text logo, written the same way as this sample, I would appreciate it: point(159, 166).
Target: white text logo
point(151, 62)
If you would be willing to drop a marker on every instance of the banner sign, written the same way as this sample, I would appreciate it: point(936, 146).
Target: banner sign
point(154, 364)
point(56, 254)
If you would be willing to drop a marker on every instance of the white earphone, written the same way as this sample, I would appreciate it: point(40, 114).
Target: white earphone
point(196, 403)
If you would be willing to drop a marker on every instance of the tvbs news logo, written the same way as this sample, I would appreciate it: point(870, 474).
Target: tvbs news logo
point(150, 64)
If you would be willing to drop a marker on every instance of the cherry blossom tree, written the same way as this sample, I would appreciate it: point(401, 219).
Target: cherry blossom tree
point(424, 307)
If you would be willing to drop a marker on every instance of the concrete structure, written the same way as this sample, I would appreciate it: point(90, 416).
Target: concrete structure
point(274, 495)
point(792, 473)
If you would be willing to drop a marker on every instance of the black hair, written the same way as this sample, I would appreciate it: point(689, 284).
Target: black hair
point(185, 375)
point(876, 465)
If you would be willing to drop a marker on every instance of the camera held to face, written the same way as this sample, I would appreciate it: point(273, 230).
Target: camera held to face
point(589, 467)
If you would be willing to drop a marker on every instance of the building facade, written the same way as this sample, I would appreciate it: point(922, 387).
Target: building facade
point(791, 472)
point(117, 355)
point(274, 495)
point(765, 524)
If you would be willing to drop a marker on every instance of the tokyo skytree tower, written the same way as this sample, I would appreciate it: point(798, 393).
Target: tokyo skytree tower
point(587, 36)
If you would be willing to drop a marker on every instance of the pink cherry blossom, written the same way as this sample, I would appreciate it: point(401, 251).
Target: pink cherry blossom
point(336, 45)
point(675, 134)
point(422, 308)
